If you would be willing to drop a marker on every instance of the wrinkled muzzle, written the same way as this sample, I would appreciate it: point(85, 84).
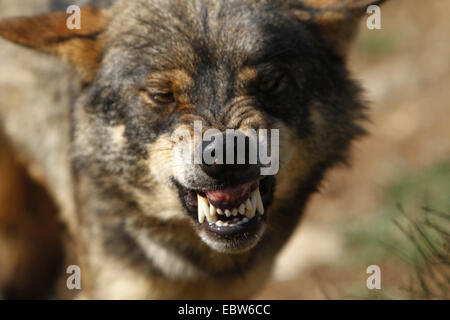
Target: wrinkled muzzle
point(225, 179)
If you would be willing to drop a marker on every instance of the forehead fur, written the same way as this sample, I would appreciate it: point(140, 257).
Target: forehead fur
point(178, 33)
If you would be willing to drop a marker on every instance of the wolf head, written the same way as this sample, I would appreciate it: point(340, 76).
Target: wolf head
point(150, 69)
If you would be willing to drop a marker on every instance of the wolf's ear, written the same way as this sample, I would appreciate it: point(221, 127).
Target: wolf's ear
point(336, 20)
point(82, 48)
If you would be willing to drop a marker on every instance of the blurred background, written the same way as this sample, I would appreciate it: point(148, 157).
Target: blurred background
point(391, 208)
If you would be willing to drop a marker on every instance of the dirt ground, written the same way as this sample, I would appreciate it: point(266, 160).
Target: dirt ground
point(405, 69)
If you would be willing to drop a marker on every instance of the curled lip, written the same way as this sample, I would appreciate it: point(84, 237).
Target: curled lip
point(229, 194)
point(229, 197)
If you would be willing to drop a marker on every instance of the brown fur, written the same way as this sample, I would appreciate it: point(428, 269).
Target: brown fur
point(49, 33)
point(30, 232)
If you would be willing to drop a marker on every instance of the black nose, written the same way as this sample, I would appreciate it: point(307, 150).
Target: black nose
point(229, 161)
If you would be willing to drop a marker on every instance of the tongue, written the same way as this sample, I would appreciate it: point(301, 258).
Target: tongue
point(228, 194)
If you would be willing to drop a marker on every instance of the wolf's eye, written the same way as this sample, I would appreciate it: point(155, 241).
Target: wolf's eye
point(162, 98)
point(271, 85)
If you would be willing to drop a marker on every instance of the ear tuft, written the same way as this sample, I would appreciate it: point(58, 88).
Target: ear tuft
point(49, 33)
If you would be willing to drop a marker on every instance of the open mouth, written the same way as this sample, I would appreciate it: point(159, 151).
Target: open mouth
point(231, 206)
point(230, 218)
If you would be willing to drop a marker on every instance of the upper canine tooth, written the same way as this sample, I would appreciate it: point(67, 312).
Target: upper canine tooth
point(201, 216)
point(259, 203)
point(227, 213)
point(201, 213)
point(242, 209)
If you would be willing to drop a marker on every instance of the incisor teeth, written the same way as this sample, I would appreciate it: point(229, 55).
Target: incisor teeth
point(259, 203)
point(248, 208)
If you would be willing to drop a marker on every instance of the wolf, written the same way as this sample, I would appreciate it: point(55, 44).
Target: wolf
point(88, 118)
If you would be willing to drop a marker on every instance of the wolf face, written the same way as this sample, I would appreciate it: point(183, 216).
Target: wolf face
point(151, 69)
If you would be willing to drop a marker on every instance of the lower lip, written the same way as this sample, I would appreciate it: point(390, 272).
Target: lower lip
point(236, 228)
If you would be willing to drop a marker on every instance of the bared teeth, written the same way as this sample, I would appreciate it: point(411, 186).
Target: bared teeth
point(251, 209)
point(211, 218)
point(200, 203)
point(212, 210)
point(204, 210)
point(248, 209)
